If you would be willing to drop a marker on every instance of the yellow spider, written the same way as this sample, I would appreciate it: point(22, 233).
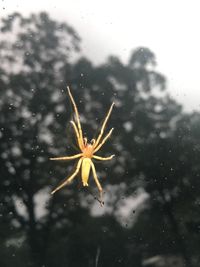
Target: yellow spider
point(87, 151)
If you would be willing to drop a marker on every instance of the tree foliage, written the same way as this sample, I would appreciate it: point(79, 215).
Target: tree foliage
point(155, 142)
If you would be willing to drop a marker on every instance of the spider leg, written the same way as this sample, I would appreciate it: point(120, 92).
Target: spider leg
point(77, 116)
point(104, 140)
point(103, 158)
point(93, 141)
point(104, 125)
point(68, 180)
point(67, 158)
point(85, 141)
point(77, 135)
point(97, 182)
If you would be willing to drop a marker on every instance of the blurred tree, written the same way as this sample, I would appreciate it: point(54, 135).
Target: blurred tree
point(148, 152)
point(156, 147)
point(31, 60)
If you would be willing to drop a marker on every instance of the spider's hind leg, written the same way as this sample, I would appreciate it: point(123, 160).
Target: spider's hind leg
point(97, 183)
point(69, 179)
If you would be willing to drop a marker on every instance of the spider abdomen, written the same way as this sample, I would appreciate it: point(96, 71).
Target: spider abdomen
point(85, 170)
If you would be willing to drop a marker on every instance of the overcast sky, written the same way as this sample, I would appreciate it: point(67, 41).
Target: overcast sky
point(169, 28)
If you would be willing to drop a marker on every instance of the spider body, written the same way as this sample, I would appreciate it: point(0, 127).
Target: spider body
point(88, 150)
point(85, 171)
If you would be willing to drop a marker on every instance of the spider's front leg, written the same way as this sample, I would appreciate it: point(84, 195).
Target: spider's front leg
point(103, 126)
point(78, 129)
point(79, 139)
point(103, 141)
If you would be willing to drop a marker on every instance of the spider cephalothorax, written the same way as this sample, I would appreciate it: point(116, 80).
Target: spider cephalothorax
point(87, 151)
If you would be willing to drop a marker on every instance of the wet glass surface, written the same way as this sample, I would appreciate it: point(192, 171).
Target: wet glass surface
point(150, 215)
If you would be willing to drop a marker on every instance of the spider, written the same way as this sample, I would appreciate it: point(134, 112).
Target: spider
point(87, 151)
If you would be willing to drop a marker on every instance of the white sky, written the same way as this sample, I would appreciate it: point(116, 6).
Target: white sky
point(169, 28)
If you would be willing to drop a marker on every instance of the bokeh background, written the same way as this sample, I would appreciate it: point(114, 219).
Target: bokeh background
point(151, 188)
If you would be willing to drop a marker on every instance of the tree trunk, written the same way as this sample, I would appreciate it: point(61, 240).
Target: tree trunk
point(177, 233)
